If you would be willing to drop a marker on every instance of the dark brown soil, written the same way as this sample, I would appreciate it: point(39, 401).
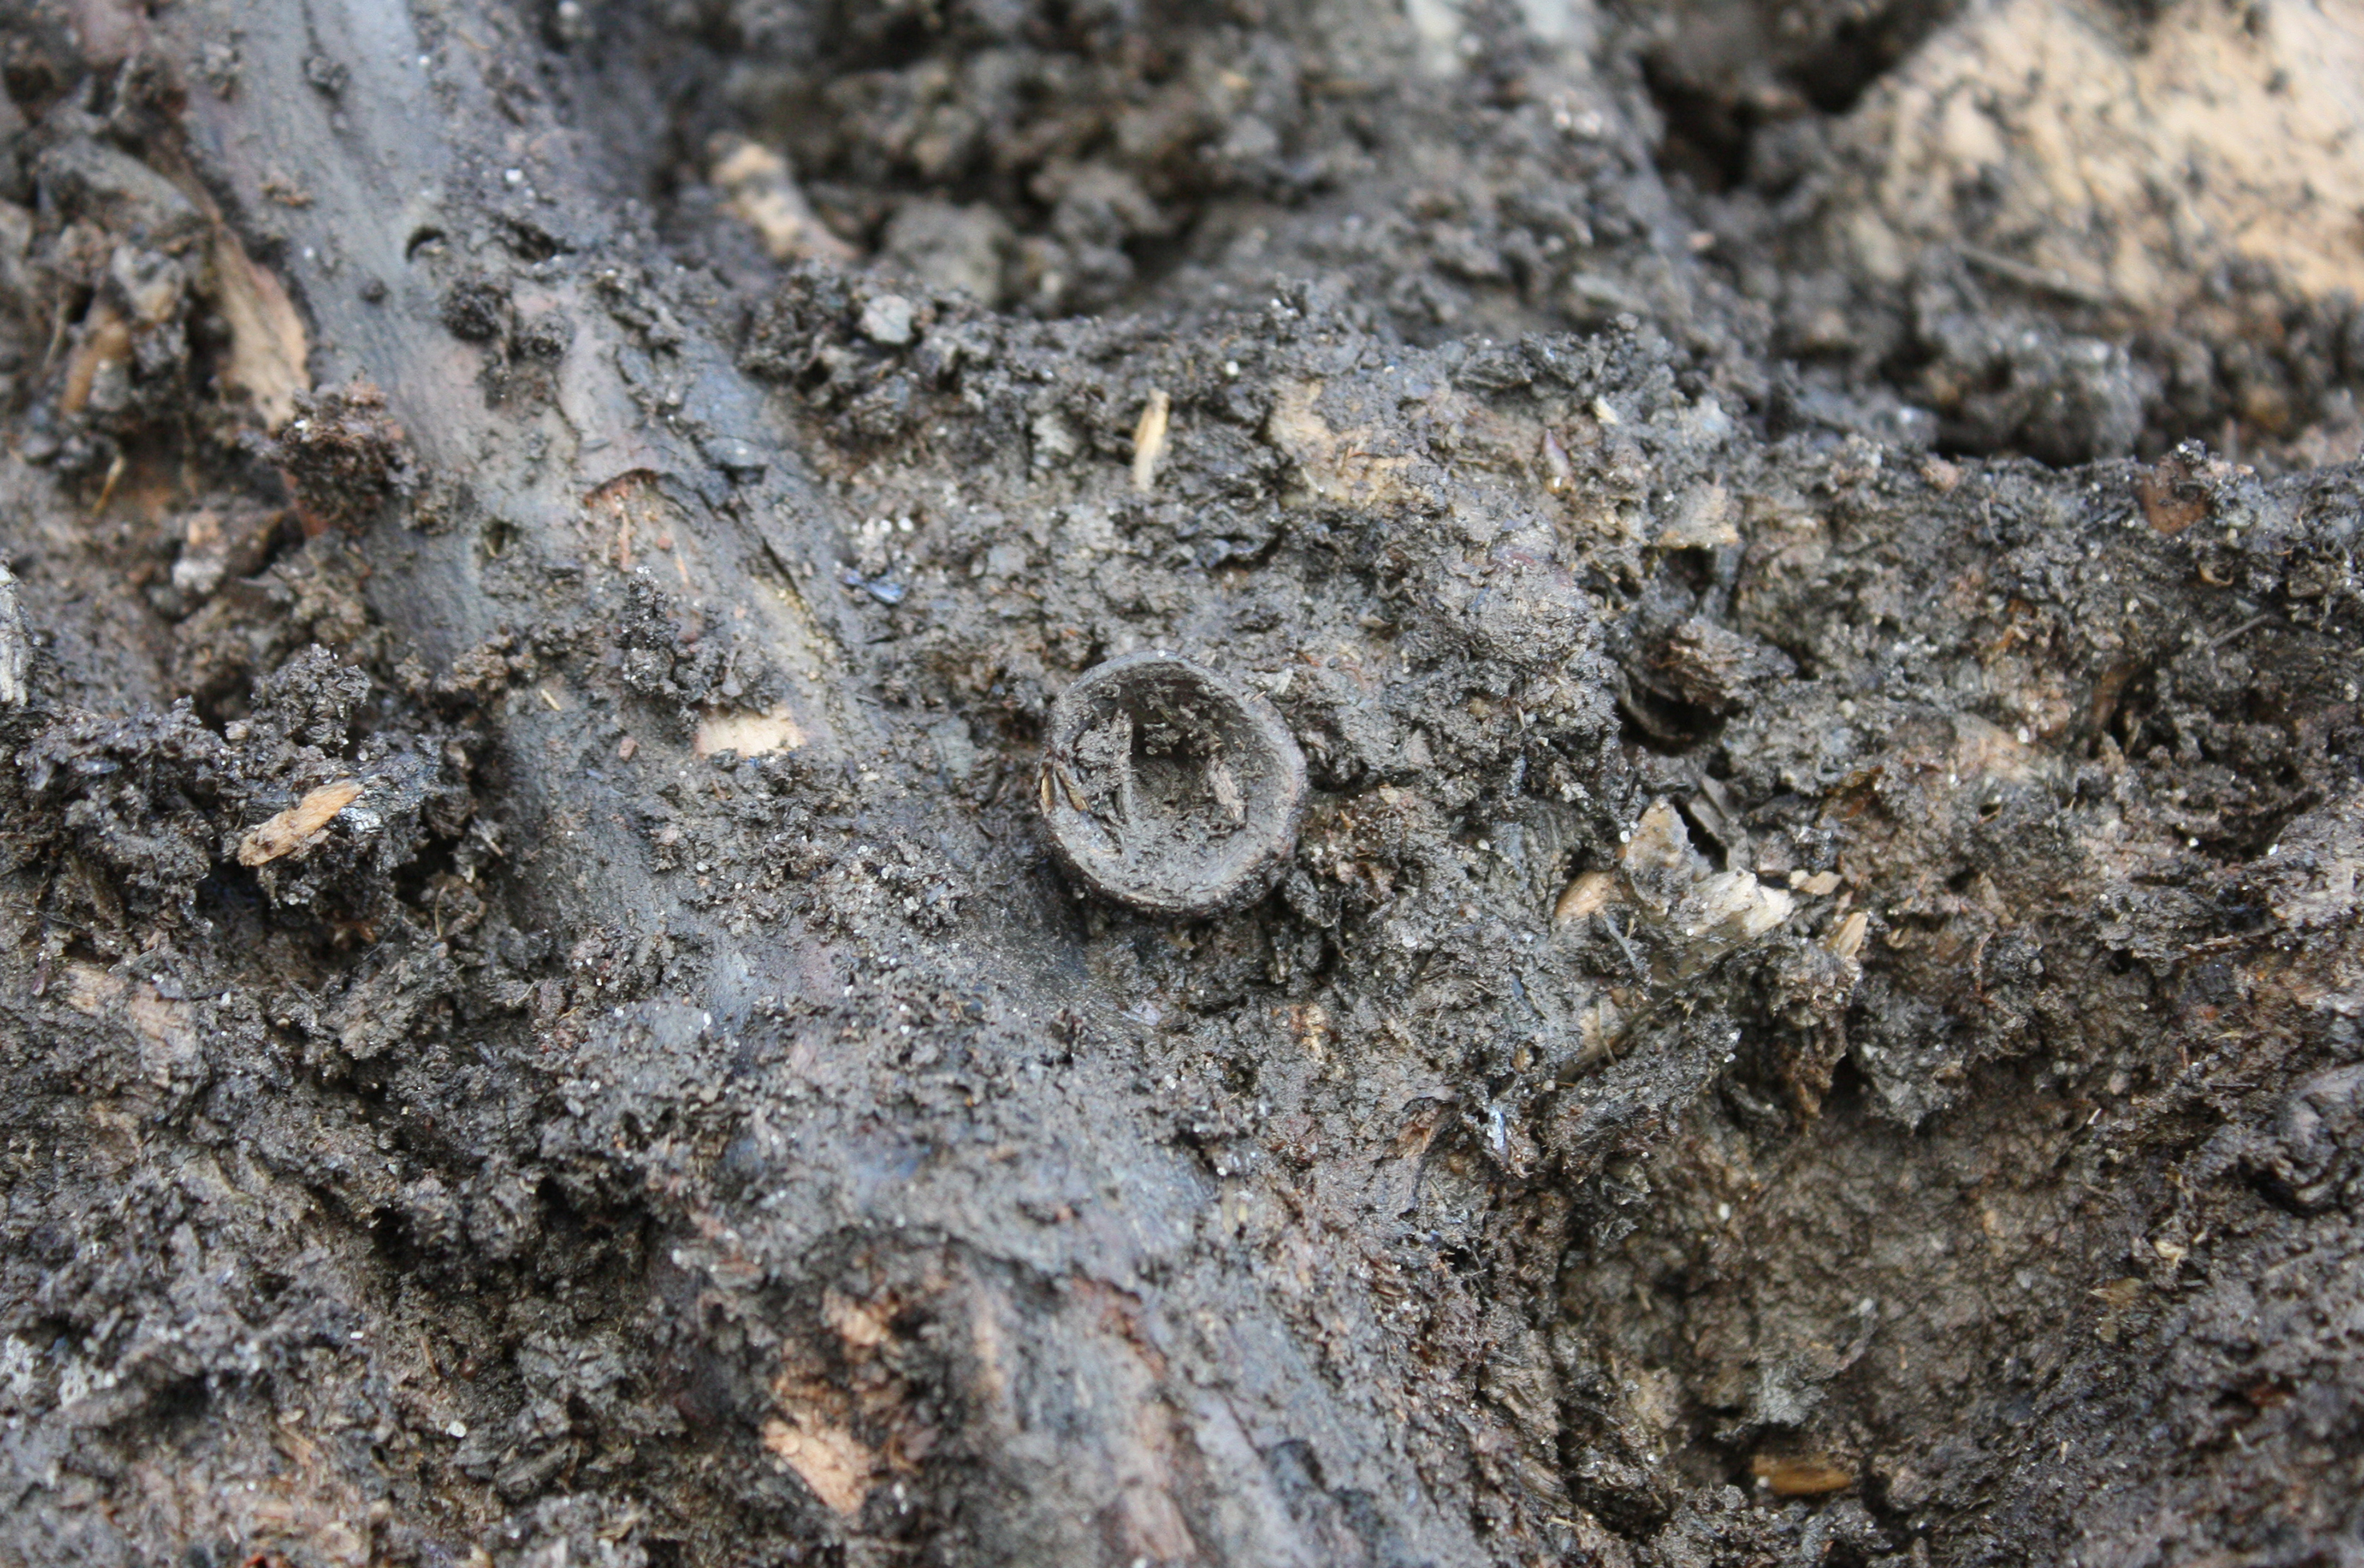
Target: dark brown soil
point(1812, 1015)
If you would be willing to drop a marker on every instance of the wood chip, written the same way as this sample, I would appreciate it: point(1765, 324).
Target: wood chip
point(1587, 894)
point(827, 1457)
point(1149, 440)
point(15, 646)
point(289, 829)
point(2171, 501)
point(268, 345)
point(105, 340)
point(1810, 1477)
point(760, 191)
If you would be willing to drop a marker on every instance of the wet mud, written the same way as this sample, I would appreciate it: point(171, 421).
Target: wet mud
point(1287, 784)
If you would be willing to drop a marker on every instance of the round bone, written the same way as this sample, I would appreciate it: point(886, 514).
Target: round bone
point(1168, 787)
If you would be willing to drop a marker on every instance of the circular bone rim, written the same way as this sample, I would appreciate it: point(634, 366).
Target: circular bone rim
point(1271, 787)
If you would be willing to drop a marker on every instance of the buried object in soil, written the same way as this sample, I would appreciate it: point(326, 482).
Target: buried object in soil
point(1169, 787)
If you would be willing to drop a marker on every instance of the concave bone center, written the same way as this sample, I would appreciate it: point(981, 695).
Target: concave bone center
point(1158, 776)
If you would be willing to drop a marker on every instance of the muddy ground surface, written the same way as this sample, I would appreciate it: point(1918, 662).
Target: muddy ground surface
point(1814, 1013)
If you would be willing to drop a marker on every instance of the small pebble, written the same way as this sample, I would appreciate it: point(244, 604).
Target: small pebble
point(886, 320)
